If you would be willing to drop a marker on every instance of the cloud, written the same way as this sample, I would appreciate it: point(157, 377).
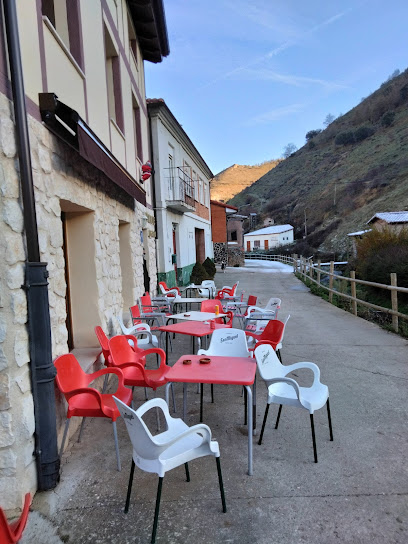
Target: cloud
point(287, 79)
point(275, 114)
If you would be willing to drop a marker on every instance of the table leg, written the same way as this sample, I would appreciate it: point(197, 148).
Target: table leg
point(201, 401)
point(254, 403)
point(166, 392)
point(184, 401)
point(250, 429)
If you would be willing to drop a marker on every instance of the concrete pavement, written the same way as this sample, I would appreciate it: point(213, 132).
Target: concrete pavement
point(356, 493)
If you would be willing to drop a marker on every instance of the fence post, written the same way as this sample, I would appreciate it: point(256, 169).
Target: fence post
point(311, 269)
point(319, 262)
point(394, 301)
point(353, 292)
point(331, 281)
point(295, 262)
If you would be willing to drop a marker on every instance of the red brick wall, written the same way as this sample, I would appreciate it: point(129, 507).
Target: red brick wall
point(218, 223)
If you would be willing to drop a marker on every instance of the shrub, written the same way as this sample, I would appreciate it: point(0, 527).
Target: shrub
point(312, 133)
point(388, 118)
point(311, 144)
point(404, 92)
point(345, 138)
point(198, 274)
point(362, 133)
point(209, 268)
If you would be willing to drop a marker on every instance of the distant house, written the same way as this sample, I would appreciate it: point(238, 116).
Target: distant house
point(227, 234)
point(395, 220)
point(268, 237)
point(353, 237)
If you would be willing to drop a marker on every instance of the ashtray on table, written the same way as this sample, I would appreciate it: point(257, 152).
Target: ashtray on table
point(187, 362)
point(205, 360)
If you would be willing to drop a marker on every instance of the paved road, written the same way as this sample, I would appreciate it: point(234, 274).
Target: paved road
point(357, 493)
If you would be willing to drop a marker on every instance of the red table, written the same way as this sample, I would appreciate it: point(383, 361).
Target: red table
point(221, 370)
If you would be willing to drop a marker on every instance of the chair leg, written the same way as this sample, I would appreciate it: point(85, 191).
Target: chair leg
point(64, 437)
point(330, 423)
point(263, 424)
point(212, 393)
point(187, 472)
point(146, 396)
point(129, 491)
point(174, 398)
point(313, 437)
point(201, 401)
point(278, 417)
point(278, 354)
point(156, 512)
point(245, 406)
point(115, 435)
point(81, 429)
point(224, 506)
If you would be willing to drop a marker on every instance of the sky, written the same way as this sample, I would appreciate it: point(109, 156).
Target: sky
point(246, 77)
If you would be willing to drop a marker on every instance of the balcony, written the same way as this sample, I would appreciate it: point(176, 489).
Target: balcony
point(180, 190)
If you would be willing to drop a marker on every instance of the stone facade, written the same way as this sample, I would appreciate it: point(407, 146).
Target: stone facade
point(63, 181)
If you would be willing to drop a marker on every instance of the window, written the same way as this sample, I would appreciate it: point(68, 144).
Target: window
point(113, 80)
point(201, 191)
point(132, 40)
point(234, 237)
point(64, 17)
point(195, 185)
point(206, 194)
point(187, 178)
point(171, 173)
point(257, 243)
point(137, 129)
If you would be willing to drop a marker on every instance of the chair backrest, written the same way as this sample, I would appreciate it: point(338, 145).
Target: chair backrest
point(273, 331)
point(125, 330)
point(69, 374)
point(234, 289)
point(228, 342)
point(209, 306)
point(11, 532)
point(268, 363)
point(273, 304)
point(146, 303)
point(142, 440)
point(252, 300)
point(104, 342)
point(163, 287)
point(122, 352)
point(135, 313)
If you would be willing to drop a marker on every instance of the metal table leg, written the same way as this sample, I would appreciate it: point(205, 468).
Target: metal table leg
point(250, 429)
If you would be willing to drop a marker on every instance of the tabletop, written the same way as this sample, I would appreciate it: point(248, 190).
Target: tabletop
point(221, 370)
point(192, 328)
point(184, 300)
point(195, 316)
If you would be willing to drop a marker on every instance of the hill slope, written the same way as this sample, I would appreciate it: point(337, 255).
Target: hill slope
point(339, 187)
point(236, 178)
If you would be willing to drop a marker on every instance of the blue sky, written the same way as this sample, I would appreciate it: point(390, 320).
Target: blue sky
point(246, 77)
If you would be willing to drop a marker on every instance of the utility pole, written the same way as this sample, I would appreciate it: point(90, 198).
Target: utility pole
point(305, 224)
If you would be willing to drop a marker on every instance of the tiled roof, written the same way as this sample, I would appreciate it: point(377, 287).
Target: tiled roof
point(390, 217)
point(358, 233)
point(275, 229)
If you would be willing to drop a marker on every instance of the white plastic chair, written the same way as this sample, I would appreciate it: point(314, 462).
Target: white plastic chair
point(283, 390)
point(145, 338)
point(172, 448)
point(227, 343)
point(272, 307)
point(207, 289)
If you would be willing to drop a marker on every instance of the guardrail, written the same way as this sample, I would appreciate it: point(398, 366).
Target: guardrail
point(306, 268)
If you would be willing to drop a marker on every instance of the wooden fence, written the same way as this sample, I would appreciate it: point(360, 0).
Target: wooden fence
point(314, 273)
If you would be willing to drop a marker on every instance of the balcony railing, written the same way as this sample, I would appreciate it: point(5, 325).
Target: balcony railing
point(181, 194)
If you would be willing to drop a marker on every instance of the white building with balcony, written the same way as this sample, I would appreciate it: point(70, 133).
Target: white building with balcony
point(181, 181)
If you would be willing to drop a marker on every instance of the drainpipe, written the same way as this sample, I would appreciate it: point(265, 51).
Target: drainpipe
point(36, 284)
point(153, 177)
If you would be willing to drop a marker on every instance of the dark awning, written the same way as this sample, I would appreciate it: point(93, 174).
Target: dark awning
point(70, 127)
point(151, 29)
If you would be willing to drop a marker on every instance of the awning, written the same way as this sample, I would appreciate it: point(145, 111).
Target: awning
point(70, 127)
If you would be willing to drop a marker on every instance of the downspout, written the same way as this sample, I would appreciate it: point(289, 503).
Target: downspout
point(36, 284)
point(153, 188)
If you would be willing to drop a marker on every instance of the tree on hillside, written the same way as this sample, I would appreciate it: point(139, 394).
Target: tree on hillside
point(312, 133)
point(328, 119)
point(288, 150)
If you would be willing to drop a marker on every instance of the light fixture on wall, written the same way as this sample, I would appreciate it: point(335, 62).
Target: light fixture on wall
point(144, 221)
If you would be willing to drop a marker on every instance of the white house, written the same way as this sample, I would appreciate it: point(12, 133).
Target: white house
point(181, 197)
point(268, 237)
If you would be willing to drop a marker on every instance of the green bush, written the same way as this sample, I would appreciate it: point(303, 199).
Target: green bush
point(362, 133)
point(209, 268)
point(198, 274)
point(345, 138)
point(312, 133)
point(388, 118)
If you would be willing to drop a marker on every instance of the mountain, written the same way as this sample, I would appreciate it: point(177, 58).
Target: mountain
point(236, 178)
point(343, 175)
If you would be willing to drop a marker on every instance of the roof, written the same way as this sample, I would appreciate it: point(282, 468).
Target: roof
point(275, 229)
point(223, 205)
point(151, 30)
point(390, 217)
point(157, 106)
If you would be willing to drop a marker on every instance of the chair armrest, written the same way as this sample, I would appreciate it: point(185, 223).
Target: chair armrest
point(199, 428)
point(144, 333)
point(267, 342)
point(312, 366)
point(103, 371)
point(159, 351)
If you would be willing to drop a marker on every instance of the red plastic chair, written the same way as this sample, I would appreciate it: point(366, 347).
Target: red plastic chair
point(209, 306)
point(168, 291)
point(228, 292)
point(272, 334)
point(10, 533)
point(84, 401)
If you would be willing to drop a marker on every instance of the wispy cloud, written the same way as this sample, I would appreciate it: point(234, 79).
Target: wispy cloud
point(287, 79)
point(277, 113)
point(278, 50)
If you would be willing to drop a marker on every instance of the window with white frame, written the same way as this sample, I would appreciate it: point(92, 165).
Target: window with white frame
point(171, 172)
point(257, 243)
point(201, 187)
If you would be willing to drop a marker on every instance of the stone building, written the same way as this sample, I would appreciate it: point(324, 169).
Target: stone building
point(394, 220)
point(83, 72)
point(182, 197)
point(227, 234)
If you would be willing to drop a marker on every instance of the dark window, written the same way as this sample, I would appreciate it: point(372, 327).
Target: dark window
point(234, 236)
point(113, 81)
point(137, 130)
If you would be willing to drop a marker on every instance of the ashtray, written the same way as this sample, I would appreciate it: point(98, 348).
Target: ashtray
point(187, 362)
point(205, 360)
point(186, 315)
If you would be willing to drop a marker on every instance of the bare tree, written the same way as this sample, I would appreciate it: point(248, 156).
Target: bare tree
point(288, 150)
point(328, 120)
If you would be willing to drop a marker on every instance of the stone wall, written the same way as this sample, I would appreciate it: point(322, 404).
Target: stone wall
point(62, 181)
point(220, 252)
point(236, 256)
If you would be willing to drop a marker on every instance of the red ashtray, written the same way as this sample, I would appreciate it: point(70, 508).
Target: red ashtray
point(187, 362)
point(186, 315)
point(205, 360)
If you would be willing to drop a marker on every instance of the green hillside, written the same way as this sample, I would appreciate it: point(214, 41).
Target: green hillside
point(337, 185)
